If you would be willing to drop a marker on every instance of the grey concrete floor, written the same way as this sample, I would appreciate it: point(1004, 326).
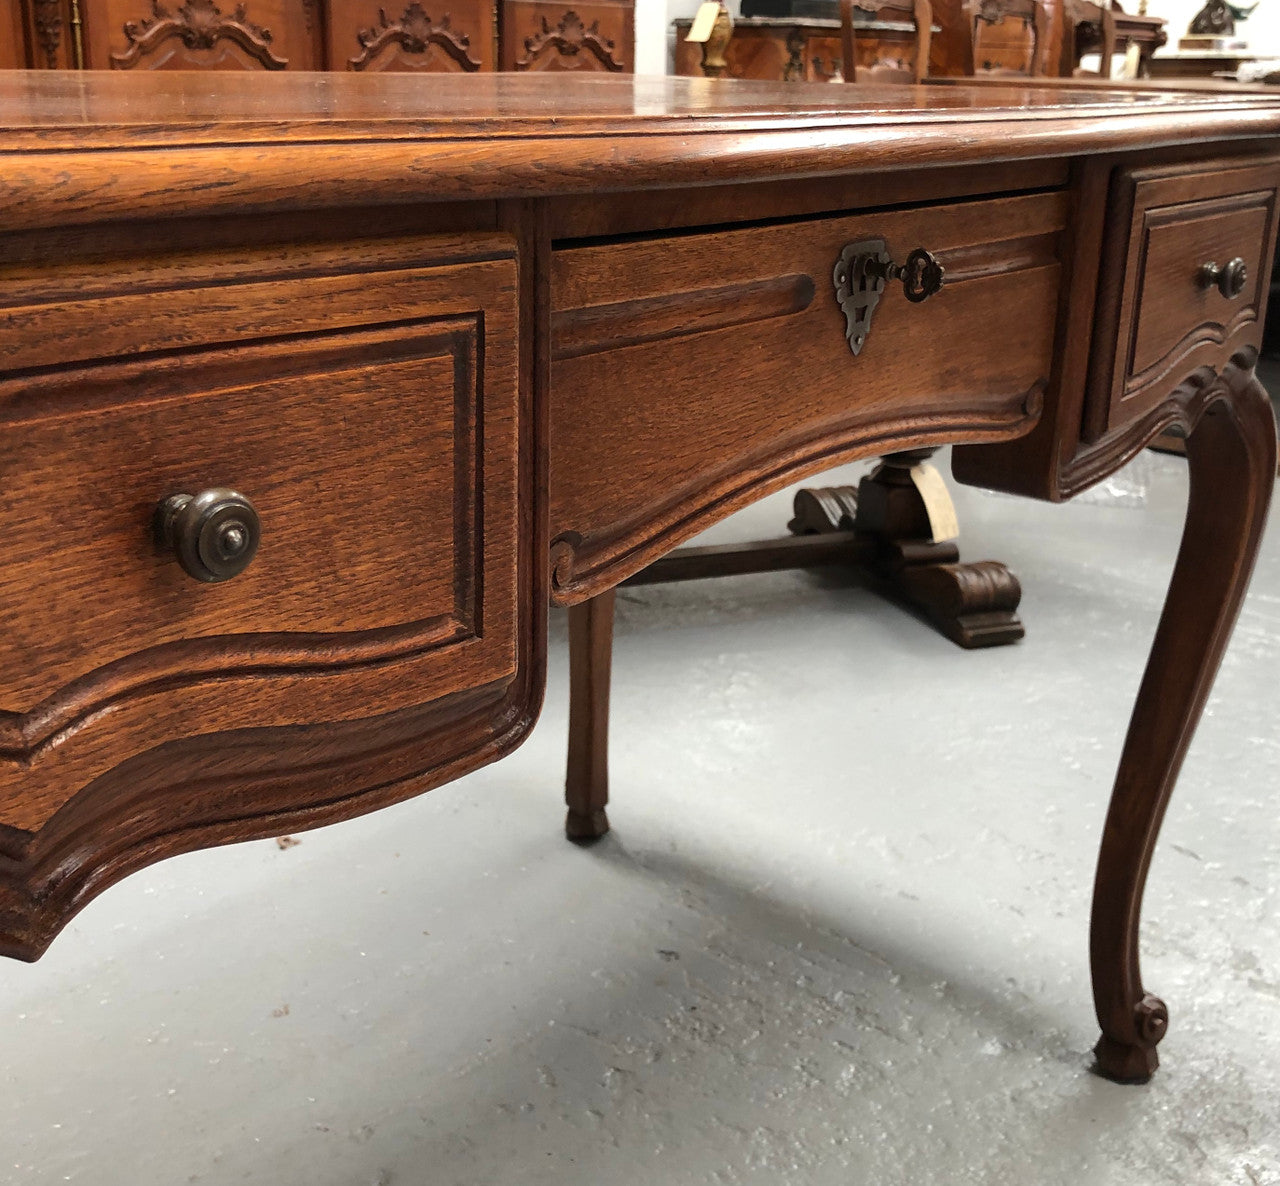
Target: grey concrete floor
point(838, 935)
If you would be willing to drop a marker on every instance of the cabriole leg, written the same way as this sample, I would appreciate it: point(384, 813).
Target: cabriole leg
point(586, 784)
point(1231, 456)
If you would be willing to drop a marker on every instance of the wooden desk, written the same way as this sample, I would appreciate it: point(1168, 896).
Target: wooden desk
point(457, 351)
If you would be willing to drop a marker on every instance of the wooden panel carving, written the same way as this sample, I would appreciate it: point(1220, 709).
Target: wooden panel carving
point(198, 34)
point(714, 397)
point(539, 36)
point(410, 42)
point(569, 45)
point(46, 17)
point(372, 417)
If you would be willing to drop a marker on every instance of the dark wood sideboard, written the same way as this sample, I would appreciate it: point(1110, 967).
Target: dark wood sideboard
point(462, 36)
point(317, 391)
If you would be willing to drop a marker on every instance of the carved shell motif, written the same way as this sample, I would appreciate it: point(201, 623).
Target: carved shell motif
point(199, 25)
point(414, 32)
point(567, 39)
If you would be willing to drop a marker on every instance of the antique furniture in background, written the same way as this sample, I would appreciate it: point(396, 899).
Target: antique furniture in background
point(1210, 46)
point(909, 68)
point(1105, 29)
point(1199, 63)
point(336, 430)
point(465, 36)
point(1008, 37)
point(1053, 36)
point(1080, 19)
point(809, 49)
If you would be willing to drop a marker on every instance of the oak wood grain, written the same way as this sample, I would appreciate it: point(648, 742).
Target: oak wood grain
point(707, 415)
point(380, 439)
point(169, 144)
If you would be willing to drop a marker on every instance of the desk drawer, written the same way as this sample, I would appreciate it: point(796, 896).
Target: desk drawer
point(692, 373)
point(362, 399)
point(1184, 280)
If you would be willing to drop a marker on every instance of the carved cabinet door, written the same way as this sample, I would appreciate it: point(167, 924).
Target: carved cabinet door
point(541, 36)
point(202, 34)
point(432, 35)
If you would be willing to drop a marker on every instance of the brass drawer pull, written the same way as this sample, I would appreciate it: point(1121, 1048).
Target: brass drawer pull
point(1229, 279)
point(861, 273)
point(214, 533)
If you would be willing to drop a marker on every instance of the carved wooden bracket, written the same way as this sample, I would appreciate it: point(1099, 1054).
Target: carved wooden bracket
point(413, 32)
point(199, 24)
point(48, 22)
point(569, 38)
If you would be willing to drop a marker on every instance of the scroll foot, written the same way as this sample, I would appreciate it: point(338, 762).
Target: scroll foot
point(1134, 1064)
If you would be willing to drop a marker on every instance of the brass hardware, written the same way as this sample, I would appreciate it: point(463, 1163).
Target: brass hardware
point(77, 35)
point(861, 273)
point(214, 533)
point(1229, 279)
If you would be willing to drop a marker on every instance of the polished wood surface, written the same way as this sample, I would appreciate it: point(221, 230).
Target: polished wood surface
point(506, 136)
point(426, 326)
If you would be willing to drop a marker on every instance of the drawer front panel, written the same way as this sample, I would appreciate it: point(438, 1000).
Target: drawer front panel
point(1158, 290)
point(359, 457)
point(372, 420)
point(693, 373)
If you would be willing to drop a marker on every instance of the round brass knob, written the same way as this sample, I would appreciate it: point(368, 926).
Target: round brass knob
point(1229, 279)
point(214, 533)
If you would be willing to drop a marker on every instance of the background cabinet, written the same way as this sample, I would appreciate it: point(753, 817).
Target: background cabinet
point(405, 35)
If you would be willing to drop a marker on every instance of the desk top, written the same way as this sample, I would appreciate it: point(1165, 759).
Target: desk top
point(78, 146)
point(45, 108)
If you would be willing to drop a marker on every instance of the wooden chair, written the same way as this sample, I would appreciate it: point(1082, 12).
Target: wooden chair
point(920, 12)
point(1103, 18)
point(984, 17)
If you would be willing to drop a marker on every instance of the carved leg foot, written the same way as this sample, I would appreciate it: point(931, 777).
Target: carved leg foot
point(903, 506)
point(586, 784)
point(1231, 457)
